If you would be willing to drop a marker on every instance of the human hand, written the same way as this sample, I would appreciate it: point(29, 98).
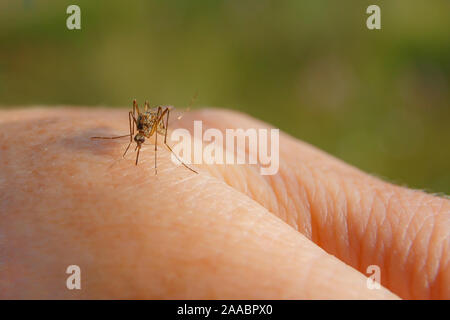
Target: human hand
point(226, 233)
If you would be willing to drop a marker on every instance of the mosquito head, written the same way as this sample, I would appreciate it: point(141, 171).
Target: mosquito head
point(139, 139)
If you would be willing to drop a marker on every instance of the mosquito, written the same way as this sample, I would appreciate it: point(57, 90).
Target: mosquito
point(148, 123)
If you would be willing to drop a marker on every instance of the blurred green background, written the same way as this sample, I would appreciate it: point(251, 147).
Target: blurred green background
point(376, 99)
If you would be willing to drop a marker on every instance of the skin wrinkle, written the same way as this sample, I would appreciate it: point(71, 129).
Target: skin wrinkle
point(430, 275)
point(289, 197)
point(293, 198)
point(251, 190)
point(441, 256)
point(390, 221)
point(280, 193)
point(426, 244)
point(380, 213)
point(409, 248)
point(361, 228)
point(349, 223)
point(306, 215)
point(333, 216)
point(432, 280)
point(249, 187)
point(235, 178)
point(249, 175)
point(269, 198)
point(444, 261)
point(314, 212)
point(440, 206)
point(367, 239)
point(314, 216)
point(433, 274)
point(342, 217)
point(429, 250)
point(441, 274)
point(327, 217)
point(438, 289)
point(346, 216)
point(359, 219)
point(399, 239)
point(278, 205)
point(416, 242)
point(445, 268)
point(386, 259)
point(379, 240)
point(363, 238)
point(245, 184)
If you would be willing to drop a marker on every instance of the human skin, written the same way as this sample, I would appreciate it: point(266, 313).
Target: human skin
point(308, 232)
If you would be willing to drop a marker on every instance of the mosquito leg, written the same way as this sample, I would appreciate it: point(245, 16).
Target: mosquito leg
point(118, 137)
point(184, 164)
point(131, 128)
point(167, 126)
point(131, 122)
point(155, 130)
point(156, 150)
point(166, 112)
point(159, 118)
point(137, 155)
point(135, 108)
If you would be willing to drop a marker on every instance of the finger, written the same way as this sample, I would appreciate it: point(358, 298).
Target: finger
point(65, 200)
point(352, 215)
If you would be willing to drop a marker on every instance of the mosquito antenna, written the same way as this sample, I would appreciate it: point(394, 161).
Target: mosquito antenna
point(194, 97)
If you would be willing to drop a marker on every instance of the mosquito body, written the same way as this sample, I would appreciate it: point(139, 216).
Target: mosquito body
point(152, 121)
